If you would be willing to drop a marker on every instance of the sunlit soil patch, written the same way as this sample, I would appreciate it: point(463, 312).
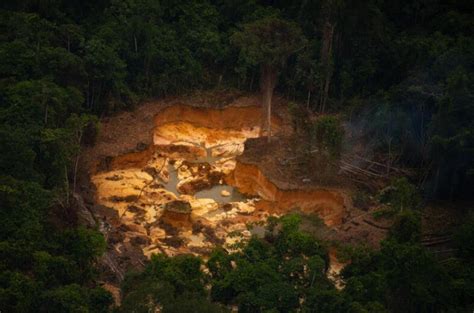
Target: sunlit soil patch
point(180, 203)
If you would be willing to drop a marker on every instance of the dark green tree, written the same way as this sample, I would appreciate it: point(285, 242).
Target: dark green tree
point(268, 42)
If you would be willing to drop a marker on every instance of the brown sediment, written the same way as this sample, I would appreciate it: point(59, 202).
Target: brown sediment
point(139, 159)
point(132, 160)
point(177, 219)
point(329, 204)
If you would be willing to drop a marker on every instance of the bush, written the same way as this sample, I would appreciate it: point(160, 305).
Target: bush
point(327, 135)
point(361, 199)
point(401, 195)
point(299, 117)
point(464, 239)
point(407, 227)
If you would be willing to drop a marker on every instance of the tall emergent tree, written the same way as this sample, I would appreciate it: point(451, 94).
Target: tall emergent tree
point(268, 42)
point(329, 12)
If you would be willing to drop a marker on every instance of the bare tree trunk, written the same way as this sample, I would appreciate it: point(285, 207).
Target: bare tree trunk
point(302, 9)
point(326, 91)
point(88, 100)
point(268, 94)
point(146, 65)
point(46, 115)
point(435, 189)
point(79, 139)
point(389, 161)
point(251, 80)
point(326, 56)
point(75, 173)
point(308, 99)
point(268, 81)
point(67, 185)
point(44, 102)
point(92, 95)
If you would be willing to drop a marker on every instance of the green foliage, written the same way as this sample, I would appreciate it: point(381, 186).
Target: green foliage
point(82, 245)
point(327, 135)
point(452, 135)
point(23, 206)
point(464, 237)
point(404, 277)
point(308, 71)
point(274, 273)
point(51, 259)
point(401, 195)
point(40, 102)
point(21, 163)
point(69, 298)
point(190, 304)
point(298, 118)
point(61, 61)
point(171, 283)
point(269, 274)
point(74, 298)
point(407, 227)
point(44, 267)
point(167, 47)
point(183, 272)
point(270, 40)
point(53, 270)
point(361, 199)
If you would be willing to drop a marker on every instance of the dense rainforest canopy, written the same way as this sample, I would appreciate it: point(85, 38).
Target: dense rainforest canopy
point(400, 72)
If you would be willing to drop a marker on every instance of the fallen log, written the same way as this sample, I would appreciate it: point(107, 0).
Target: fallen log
point(376, 225)
point(435, 242)
point(360, 169)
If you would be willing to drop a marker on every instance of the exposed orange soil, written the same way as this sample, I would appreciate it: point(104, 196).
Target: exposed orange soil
point(231, 117)
point(133, 131)
point(133, 143)
point(329, 204)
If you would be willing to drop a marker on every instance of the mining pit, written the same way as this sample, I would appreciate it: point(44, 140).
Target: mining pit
point(199, 182)
point(188, 191)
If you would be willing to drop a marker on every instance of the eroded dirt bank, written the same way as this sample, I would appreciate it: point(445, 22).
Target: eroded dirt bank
point(230, 117)
point(330, 205)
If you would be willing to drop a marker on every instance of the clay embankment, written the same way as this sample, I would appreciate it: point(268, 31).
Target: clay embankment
point(330, 205)
point(236, 118)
